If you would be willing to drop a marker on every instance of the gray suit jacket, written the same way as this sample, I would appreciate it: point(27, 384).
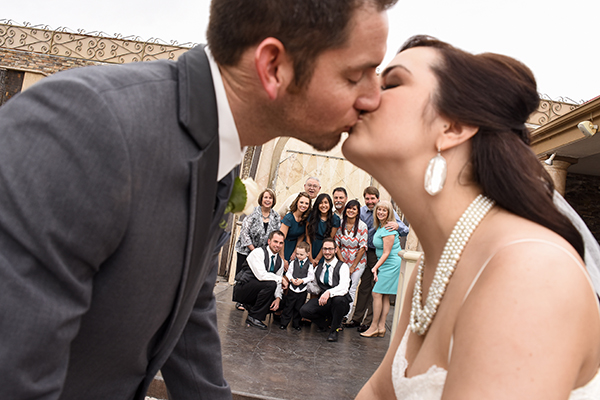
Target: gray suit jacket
point(106, 267)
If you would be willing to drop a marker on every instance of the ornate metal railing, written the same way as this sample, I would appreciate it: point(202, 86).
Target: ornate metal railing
point(93, 46)
point(102, 47)
point(549, 110)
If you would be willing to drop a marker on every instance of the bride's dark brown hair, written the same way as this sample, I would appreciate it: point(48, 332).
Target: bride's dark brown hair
point(497, 94)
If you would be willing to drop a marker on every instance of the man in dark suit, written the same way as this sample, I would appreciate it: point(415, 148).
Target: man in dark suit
point(260, 283)
point(114, 179)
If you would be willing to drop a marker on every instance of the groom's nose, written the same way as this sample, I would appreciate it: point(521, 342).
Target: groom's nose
point(370, 96)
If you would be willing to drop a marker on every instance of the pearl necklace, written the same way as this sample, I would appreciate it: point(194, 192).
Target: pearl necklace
point(421, 317)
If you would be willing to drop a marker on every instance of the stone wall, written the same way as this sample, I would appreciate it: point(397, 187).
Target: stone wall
point(43, 63)
point(20, 69)
point(28, 53)
point(582, 193)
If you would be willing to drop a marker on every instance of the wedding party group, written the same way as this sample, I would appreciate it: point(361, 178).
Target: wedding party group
point(114, 180)
point(330, 250)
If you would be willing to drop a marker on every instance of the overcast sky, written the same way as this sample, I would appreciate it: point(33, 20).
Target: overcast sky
point(558, 40)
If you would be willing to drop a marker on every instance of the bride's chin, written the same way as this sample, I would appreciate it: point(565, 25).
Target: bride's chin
point(352, 150)
point(360, 154)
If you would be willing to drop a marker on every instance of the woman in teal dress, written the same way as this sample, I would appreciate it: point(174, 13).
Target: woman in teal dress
point(293, 225)
point(322, 223)
point(387, 269)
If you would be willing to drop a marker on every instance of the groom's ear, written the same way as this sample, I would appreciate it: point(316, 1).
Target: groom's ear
point(274, 67)
point(454, 134)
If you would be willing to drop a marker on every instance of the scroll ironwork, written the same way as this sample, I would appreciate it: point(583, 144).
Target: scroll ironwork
point(93, 46)
point(549, 110)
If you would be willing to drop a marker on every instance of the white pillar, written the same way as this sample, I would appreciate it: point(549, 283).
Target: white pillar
point(409, 262)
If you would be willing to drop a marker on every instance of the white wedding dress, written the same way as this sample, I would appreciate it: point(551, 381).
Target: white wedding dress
point(430, 385)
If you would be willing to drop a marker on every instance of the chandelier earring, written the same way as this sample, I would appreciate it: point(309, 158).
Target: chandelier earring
point(435, 175)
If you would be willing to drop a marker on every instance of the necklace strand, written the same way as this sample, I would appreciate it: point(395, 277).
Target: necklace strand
point(421, 317)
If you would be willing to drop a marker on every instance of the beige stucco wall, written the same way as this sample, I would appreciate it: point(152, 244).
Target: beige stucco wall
point(285, 163)
point(30, 78)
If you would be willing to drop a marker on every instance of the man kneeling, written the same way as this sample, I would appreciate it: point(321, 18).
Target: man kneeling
point(260, 282)
point(333, 302)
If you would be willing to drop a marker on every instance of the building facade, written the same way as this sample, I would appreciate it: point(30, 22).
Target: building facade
point(29, 53)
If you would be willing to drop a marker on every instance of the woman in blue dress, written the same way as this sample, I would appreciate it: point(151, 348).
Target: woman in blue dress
point(293, 225)
point(322, 223)
point(387, 269)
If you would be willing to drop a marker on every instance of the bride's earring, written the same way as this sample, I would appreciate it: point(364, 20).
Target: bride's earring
point(435, 176)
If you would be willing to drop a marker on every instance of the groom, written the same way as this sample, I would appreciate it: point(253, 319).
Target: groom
point(113, 181)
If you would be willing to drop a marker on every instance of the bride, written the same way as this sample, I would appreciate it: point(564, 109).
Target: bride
point(501, 306)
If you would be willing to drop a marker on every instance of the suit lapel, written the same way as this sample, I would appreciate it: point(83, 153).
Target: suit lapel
point(208, 198)
point(197, 102)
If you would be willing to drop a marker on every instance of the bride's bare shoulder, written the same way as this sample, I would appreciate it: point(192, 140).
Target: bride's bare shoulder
point(532, 310)
point(529, 260)
point(506, 228)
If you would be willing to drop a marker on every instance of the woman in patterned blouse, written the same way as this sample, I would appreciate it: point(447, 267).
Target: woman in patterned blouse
point(351, 240)
point(256, 228)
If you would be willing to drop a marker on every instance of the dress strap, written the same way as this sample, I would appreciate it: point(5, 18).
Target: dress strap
point(485, 264)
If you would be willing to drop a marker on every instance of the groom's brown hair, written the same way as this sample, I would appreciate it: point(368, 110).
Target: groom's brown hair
point(305, 27)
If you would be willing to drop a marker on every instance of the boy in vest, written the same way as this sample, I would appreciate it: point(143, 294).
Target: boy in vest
point(299, 273)
point(260, 283)
point(333, 278)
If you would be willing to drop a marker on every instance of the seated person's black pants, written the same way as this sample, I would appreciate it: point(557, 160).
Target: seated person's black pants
point(331, 313)
point(256, 296)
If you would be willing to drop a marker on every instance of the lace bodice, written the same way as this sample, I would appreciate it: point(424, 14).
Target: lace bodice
point(427, 386)
point(430, 385)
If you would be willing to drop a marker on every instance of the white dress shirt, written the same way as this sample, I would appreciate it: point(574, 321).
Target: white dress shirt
point(342, 288)
point(309, 277)
point(230, 151)
point(256, 262)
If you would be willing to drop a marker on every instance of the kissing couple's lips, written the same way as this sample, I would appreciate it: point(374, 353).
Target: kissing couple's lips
point(359, 119)
point(348, 128)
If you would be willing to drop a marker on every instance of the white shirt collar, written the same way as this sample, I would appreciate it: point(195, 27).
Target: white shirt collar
point(230, 152)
